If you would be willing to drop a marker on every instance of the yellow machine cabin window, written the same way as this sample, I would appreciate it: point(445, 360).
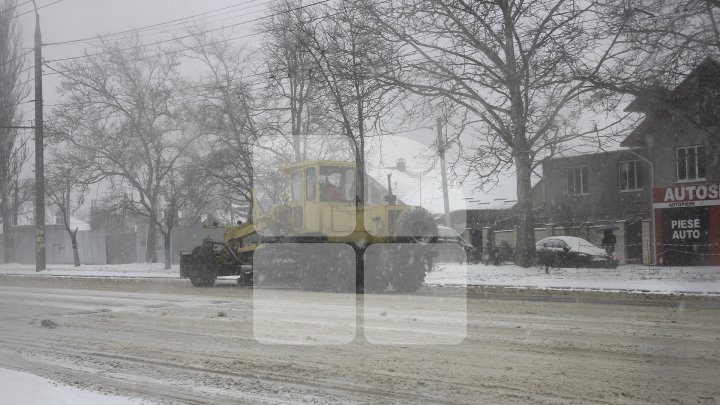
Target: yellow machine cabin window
point(310, 183)
point(297, 186)
point(336, 183)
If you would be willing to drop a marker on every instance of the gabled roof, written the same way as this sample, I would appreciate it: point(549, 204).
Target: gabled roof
point(657, 99)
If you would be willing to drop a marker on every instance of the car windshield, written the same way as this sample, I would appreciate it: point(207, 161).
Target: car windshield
point(337, 183)
point(359, 202)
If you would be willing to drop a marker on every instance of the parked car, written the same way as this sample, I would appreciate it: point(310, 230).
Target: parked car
point(570, 251)
point(448, 235)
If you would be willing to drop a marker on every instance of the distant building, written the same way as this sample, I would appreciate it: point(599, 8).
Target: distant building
point(585, 192)
point(666, 178)
point(679, 135)
point(596, 187)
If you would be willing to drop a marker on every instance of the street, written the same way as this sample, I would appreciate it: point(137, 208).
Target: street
point(167, 342)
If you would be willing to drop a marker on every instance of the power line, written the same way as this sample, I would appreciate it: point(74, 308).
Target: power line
point(18, 73)
point(158, 25)
point(25, 82)
point(18, 57)
point(191, 35)
point(31, 11)
point(15, 6)
point(165, 53)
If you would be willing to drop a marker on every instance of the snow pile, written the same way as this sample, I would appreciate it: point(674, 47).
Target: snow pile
point(131, 270)
point(27, 389)
point(689, 280)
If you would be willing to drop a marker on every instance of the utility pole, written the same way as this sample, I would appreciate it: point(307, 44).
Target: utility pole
point(39, 153)
point(443, 172)
point(653, 243)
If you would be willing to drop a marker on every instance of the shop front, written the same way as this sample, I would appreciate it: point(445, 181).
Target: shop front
point(687, 219)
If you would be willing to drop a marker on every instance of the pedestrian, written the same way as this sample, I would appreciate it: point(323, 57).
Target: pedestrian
point(491, 258)
point(608, 242)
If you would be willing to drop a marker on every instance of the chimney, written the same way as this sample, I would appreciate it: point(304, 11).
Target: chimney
point(401, 165)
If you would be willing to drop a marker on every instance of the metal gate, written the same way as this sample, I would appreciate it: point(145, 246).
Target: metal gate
point(633, 242)
point(121, 248)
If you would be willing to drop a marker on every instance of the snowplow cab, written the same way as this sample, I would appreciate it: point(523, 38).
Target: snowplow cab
point(322, 206)
point(323, 203)
point(322, 198)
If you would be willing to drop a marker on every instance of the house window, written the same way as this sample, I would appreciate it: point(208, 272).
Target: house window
point(691, 163)
point(577, 180)
point(630, 175)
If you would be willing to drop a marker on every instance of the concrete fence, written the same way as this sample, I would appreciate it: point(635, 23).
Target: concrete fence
point(99, 247)
point(633, 242)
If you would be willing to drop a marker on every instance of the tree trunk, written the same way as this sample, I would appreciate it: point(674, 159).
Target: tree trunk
point(151, 251)
point(168, 253)
point(251, 200)
point(8, 245)
point(525, 249)
point(73, 241)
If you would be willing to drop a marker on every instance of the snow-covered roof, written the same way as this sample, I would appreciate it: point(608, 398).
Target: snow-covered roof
point(421, 188)
point(51, 219)
point(420, 183)
point(79, 224)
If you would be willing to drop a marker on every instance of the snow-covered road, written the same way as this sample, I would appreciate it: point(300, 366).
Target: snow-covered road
point(20, 388)
point(635, 278)
point(163, 341)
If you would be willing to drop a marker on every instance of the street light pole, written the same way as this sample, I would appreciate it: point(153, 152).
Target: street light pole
point(39, 153)
point(443, 172)
point(653, 242)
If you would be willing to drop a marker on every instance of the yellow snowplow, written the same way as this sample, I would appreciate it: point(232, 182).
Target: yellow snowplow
point(312, 239)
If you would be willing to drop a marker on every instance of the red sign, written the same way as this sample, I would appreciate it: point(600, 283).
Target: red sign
point(687, 218)
point(690, 195)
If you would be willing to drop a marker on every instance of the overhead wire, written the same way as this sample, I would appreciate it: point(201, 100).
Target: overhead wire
point(18, 57)
point(31, 11)
point(182, 50)
point(15, 6)
point(178, 21)
point(244, 77)
point(193, 34)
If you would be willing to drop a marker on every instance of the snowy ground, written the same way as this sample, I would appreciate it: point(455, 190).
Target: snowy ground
point(117, 332)
point(134, 270)
point(635, 278)
point(27, 389)
point(652, 279)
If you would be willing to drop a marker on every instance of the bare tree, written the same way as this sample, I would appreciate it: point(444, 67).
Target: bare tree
point(658, 44)
point(13, 89)
point(65, 189)
point(299, 102)
point(119, 116)
point(511, 66)
point(290, 68)
point(349, 56)
point(224, 111)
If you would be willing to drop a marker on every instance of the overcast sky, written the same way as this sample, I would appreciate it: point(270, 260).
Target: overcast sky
point(69, 20)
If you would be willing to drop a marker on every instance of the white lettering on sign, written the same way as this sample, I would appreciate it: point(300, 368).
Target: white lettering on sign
point(685, 223)
point(692, 193)
point(682, 204)
point(693, 234)
point(669, 196)
point(685, 228)
point(713, 191)
point(701, 192)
